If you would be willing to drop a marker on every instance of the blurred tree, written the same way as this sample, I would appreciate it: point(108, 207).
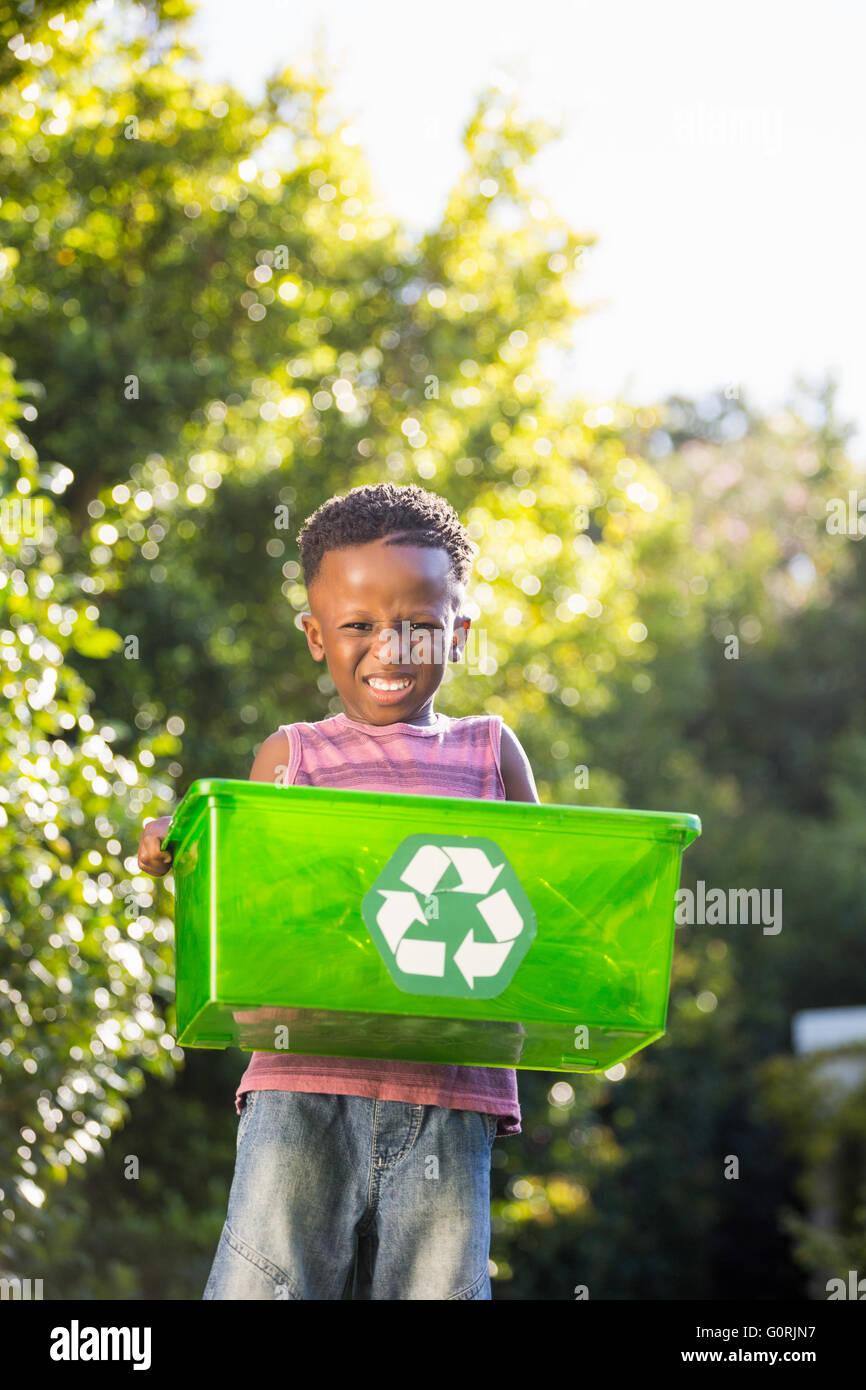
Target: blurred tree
point(227, 329)
point(33, 33)
point(823, 1124)
point(180, 261)
point(81, 1000)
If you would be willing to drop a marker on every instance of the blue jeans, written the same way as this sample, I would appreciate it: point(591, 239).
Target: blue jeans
point(320, 1179)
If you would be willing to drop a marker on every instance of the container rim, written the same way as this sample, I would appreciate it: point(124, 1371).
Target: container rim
point(600, 820)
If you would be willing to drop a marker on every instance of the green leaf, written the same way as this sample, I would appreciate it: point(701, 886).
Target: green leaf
point(97, 642)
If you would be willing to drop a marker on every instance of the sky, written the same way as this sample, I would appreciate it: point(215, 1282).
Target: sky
point(716, 151)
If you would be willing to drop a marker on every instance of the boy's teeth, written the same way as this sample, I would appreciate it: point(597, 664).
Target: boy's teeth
point(389, 685)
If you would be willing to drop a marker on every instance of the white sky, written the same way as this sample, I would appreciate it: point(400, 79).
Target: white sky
point(717, 151)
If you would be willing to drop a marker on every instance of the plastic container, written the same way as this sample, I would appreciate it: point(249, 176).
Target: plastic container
point(539, 937)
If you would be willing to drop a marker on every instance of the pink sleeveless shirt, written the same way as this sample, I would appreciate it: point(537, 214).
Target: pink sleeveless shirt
point(451, 757)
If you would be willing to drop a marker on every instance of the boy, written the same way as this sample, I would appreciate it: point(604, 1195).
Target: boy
point(334, 1151)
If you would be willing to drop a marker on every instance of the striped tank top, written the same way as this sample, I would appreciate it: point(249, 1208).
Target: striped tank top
point(450, 757)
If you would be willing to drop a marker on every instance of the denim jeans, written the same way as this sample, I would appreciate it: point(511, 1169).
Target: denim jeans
point(344, 1197)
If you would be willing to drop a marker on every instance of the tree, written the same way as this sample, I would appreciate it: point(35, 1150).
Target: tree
point(223, 340)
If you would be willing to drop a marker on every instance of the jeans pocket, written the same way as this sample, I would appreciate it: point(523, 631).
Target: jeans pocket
point(492, 1126)
point(248, 1104)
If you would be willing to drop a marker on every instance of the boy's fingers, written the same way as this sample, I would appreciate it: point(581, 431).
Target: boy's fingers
point(151, 855)
point(152, 858)
point(150, 866)
point(152, 841)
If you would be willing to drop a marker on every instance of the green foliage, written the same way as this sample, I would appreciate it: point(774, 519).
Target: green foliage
point(819, 1104)
point(35, 36)
point(215, 341)
point(81, 1000)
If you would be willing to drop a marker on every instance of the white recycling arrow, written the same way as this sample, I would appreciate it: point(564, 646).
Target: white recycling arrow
point(475, 869)
point(425, 869)
point(422, 957)
point(501, 915)
point(396, 915)
point(476, 958)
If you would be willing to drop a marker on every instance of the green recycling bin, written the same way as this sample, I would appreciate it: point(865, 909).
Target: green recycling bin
point(432, 929)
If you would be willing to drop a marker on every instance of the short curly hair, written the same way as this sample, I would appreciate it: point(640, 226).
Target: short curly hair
point(407, 514)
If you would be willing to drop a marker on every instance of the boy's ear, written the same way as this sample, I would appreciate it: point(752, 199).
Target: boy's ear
point(313, 636)
point(458, 641)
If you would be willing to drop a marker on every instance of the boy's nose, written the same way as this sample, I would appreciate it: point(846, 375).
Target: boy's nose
point(391, 647)
point(385, 646)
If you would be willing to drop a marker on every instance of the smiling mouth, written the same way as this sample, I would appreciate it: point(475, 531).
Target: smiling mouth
point(380, 683)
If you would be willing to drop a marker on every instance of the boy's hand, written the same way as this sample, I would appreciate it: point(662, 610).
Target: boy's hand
point(152, 858)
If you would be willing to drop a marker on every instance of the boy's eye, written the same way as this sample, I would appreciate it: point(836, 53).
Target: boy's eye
point(433, 625)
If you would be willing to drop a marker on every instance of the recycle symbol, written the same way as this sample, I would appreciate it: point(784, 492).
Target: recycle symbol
point(449, 917)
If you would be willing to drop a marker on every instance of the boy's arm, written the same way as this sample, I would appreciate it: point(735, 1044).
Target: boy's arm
point(271, 760)
point(269, 765)
point(516, 770)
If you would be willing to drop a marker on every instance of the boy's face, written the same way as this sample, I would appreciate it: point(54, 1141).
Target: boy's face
point(359, 600)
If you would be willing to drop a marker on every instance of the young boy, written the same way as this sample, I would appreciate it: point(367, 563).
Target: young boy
point(335, 1155)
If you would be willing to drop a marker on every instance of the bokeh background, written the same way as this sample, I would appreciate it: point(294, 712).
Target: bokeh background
point(212, 311)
